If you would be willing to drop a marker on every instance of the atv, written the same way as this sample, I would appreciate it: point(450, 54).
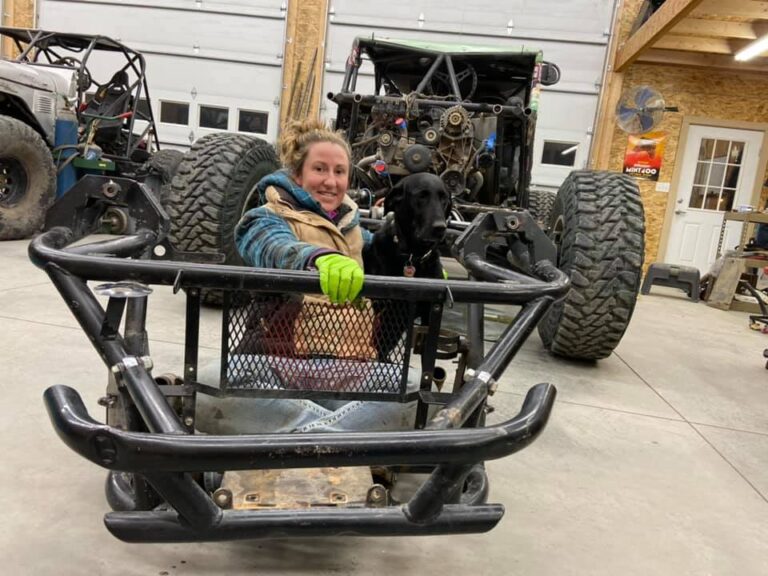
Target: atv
point(58, 122)
point(168, 483)
point(468, 114)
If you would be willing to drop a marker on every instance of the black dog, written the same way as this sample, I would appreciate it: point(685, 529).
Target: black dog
point(416, 212)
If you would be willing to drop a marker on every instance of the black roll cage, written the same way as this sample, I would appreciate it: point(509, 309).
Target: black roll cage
point(34, 45)
point(532, 73)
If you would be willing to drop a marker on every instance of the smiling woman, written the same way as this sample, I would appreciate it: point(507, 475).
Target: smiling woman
point(304, 211)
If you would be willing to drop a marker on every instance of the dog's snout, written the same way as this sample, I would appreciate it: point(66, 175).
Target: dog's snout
point(438, 229)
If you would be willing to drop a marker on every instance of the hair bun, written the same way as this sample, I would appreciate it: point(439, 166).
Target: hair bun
point(299, 135)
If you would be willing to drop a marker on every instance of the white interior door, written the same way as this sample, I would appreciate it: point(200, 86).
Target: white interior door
point(720, 166)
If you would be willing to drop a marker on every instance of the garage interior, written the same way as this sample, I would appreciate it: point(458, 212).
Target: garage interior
point(654, 459)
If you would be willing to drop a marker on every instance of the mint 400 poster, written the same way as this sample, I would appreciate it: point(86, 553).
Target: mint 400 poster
point(644, 153)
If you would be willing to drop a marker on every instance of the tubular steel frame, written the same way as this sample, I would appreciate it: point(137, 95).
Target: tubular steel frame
point(34, 44)
point(168, 454)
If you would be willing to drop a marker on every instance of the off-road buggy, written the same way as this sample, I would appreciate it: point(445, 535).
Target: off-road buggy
point(62, 117)
point(468, 114)
point(167, 483)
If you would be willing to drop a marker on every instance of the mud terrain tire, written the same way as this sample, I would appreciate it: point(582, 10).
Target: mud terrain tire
point(540, 204)
point(27, 179)
point(165, 164)
point(210, 190)
point(598, 226)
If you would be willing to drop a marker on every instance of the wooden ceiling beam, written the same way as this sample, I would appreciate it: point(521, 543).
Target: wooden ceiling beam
point(691, 44)
point(664, 19)
point(709, 61)
point(715, 28)
point(740, 8)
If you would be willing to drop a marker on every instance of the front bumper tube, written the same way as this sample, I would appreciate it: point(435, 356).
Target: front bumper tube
point(159, 455)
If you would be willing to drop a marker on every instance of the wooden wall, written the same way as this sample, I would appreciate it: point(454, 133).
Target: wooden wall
point(729, 96)
point(715, 95)
point(18, 13)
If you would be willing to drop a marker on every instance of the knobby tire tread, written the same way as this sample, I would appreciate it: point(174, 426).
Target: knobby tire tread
point(22, 143)
point(602, 251)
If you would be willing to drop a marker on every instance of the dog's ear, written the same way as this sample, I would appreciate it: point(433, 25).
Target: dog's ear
point(394, 197)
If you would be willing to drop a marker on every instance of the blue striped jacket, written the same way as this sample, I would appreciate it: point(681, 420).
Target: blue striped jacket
point(265, 239)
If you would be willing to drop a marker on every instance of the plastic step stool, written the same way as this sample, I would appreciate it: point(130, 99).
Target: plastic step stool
point(684, 277)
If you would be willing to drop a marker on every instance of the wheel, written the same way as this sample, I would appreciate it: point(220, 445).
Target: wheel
point(598, 227)
point(210, 191)
point(27, 179)
point(540, 203)
point(164, 164)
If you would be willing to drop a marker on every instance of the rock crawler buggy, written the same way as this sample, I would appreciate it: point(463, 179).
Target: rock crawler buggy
point(169, 484)
point(468, 114)
point(71, 105)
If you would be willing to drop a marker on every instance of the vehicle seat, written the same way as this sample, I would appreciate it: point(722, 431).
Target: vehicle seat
point(112, 99)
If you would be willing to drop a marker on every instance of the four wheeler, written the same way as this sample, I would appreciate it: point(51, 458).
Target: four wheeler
point(468, 114)
point(59, 122)
point(167, 483)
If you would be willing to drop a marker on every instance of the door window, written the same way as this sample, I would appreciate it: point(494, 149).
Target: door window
point(717, 174)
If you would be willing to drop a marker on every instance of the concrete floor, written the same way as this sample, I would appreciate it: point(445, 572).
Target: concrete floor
point(655, 460)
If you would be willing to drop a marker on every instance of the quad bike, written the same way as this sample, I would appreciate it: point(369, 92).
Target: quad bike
point(168, 483)
point(58, 123)
point(468, 114)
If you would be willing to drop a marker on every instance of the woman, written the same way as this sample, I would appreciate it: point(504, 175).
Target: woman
point(306, 221)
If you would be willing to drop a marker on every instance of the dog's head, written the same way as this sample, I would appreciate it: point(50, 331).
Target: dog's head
point(421, 205)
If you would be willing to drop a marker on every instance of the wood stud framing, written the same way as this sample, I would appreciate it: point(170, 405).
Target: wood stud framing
point(699, 33)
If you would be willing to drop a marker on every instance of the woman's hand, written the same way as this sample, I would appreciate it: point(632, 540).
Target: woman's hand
point(341, 277)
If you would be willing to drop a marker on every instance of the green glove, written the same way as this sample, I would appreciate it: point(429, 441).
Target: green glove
point(341, 278)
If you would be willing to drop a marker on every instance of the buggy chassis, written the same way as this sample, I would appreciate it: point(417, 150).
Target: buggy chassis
point(45, 47)
point(160, 445)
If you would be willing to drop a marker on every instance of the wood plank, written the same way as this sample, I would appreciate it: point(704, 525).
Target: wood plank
point(711, 61)
point(692, 44)
point(600, 153)
point(726, 283)
point(610, 92)
point(664, 19)
point(740, 8)
point(715, 28)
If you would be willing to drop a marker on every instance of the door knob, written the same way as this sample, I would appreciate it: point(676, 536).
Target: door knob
point(680, 211)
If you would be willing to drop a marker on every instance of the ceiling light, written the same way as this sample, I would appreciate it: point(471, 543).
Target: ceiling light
point(754, 49)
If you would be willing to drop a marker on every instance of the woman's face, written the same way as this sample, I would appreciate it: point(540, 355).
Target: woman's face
point(325, 174)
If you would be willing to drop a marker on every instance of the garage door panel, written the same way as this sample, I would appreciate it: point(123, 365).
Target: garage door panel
point(259, 8)
point(222, 35)
point(582, 20)
point(219, 53)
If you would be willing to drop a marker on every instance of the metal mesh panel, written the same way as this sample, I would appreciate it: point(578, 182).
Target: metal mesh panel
point(293, 346)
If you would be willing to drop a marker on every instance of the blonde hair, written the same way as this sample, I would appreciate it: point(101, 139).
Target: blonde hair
point(299, 136)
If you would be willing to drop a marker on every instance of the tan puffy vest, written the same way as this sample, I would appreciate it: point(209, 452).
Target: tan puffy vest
point(314, 229)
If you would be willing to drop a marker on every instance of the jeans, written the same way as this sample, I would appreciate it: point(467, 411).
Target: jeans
point(239, 415)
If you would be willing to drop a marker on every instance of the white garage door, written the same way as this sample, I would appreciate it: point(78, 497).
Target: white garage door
point(212, 65)
point(571, 33)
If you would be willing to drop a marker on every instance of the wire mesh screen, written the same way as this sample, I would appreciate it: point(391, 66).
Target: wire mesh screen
point(294, 346)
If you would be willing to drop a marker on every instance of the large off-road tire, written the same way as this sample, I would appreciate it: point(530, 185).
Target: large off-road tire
point(27, 179)
point(598, 226)
point(540, 204)
point(164, 164)
point(210, 190)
